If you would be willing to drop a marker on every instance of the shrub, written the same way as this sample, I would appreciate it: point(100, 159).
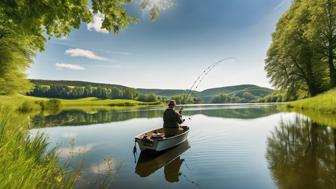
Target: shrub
point(28, 106)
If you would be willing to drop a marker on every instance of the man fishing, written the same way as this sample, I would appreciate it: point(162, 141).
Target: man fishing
point(172, 120)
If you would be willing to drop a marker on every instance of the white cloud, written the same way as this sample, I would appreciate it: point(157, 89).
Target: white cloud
point(73, 151)
point(70, 135)
point(76, 52)
point(152, 5)
point(109, 165)
point(96, 24)
point(69, 66)
point(64, 38)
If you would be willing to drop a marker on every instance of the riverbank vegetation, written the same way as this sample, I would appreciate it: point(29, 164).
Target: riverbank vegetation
point(37, 104)
point(301, 59)
point(323, 103)
point(25, 163)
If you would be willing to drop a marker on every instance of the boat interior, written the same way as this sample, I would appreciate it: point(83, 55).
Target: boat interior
point(158, 134)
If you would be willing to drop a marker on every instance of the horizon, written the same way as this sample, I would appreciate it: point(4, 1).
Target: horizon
point(175, 47)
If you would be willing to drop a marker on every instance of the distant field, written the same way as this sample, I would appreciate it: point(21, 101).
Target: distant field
point(92, 101)
point(18, 101)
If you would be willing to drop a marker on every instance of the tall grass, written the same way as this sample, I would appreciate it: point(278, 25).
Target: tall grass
point(324, 103)
point(24, 161)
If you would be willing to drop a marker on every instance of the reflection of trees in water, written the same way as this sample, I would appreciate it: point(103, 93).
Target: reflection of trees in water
point(78, 117)
point(301, 154)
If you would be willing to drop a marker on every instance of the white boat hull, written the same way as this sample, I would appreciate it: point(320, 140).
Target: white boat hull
point(162, 144)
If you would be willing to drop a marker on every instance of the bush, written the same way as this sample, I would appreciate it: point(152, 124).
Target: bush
point(53, 104)
point(28, 106)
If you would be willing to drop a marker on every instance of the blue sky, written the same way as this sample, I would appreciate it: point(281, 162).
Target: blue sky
point(172, 51)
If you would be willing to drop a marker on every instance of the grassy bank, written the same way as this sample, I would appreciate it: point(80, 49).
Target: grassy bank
point(92, 101)
point(32, 104)
point(24, 161)
point(323, 103)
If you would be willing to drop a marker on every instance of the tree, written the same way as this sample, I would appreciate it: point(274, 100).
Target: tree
point(26, 25)
point(186, 99)
point(322, 31)
point(291, 59)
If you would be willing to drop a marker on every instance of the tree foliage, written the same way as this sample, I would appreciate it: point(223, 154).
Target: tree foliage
point(186, 99)
point(74, 89)
point(81, 89)
point(301, 56)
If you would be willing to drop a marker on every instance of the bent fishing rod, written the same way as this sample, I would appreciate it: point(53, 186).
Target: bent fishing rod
point(201, 77)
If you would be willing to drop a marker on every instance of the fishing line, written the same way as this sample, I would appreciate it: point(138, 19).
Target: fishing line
point(202, 76)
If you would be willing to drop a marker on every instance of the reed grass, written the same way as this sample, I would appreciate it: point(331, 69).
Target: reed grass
point(25, 164)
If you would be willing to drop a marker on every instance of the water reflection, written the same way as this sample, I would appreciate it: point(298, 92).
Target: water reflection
point(301, 154)
point(148, 162)
point(79, 117)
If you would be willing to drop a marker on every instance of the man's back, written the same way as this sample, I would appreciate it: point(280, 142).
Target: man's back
point(171, 119)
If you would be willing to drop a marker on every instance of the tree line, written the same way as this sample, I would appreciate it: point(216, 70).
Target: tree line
point(73, 92)
point(301, 58)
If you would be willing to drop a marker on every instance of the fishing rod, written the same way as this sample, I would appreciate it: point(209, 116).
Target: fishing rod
point(201, 77)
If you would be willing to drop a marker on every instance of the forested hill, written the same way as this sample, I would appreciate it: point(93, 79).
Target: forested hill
point(237, 93)
point(162, 92)
point(80, 89)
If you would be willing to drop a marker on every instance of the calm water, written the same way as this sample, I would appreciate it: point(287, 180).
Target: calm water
point(229, 146)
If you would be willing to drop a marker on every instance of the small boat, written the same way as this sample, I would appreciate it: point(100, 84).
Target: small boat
point(156, 141)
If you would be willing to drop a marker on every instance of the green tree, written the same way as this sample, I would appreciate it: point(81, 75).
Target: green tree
point(322, 31)
point(291, 62)
point(302, 54)
point(186, 99)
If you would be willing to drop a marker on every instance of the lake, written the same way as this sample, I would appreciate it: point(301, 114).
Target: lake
point(230, 146)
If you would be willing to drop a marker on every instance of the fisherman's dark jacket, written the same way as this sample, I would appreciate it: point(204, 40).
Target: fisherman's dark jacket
point(171, 119)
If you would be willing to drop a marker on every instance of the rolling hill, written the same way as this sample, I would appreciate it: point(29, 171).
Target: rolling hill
point(78, 89)
point(237, 93)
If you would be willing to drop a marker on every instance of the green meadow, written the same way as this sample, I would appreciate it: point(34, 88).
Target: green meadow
point(35, 104)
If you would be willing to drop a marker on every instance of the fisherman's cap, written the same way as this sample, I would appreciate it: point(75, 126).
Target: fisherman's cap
point(171, 102)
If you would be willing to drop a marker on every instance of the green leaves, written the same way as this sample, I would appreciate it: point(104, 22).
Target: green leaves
point(296, 60)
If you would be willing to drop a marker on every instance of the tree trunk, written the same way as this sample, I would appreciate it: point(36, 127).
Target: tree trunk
point(310, 77)
point(331, 38)
point(332, 69)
